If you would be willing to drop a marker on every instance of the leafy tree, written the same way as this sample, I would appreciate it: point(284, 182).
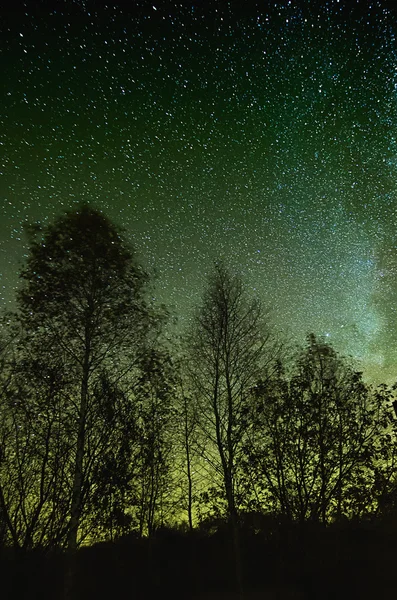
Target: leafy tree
point(34, 449)
point(153, 494)
point(82, 300)
point(268, 446)
point(318, 437)
point(108, 505)
point(382, 496)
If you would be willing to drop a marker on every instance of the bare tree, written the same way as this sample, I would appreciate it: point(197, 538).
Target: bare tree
point(230, 348)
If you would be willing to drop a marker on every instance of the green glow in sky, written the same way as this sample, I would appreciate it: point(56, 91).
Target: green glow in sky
point(266, 137)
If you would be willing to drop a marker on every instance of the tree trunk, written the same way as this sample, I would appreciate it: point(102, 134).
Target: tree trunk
point(188, 469)
point(75, 509)
point(234, 531)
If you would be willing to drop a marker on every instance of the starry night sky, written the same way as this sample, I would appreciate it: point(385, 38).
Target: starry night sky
point(262, 134)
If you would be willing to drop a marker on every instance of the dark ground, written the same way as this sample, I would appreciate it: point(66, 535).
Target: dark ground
point(283, 563)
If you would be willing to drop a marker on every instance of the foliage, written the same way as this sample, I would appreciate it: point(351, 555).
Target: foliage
point(152, 493)
point(103, 433)
point(316, 438)
point(81, 304)
point(110, 484)
point(35, 447)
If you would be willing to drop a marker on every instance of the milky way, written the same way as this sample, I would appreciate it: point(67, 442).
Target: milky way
point(266, 137)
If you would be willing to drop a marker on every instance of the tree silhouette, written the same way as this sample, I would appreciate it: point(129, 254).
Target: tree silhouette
point(35, 448)
point(318, 437)
point(82, 300)
point(116, 440)
point(186, 433)
point(153, 482)
point(230, 348)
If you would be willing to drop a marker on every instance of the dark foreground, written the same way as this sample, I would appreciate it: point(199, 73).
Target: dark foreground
point(353, 561)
